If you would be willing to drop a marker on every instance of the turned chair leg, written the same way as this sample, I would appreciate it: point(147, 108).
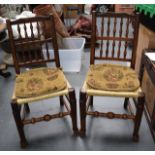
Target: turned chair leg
point(83, 113)
point(27, 108)
point(137, 121)
point(91, 100)
point(19, 124)
point(73, 110)
point(61, 100)
point(126, 102)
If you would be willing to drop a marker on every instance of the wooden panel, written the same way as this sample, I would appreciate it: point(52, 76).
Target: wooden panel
point(147, 74)
point(126, 8)
point(146, 39)
point(148, 88)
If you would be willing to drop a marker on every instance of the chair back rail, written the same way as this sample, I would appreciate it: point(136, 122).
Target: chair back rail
point(29, 42)
point(114, 32)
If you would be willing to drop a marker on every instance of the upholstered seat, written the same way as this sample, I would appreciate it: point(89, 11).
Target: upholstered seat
point(112, 78)
point(47, 95)
point(40, 81)
point(95, 92)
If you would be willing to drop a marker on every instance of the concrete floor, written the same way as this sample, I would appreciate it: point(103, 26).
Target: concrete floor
point(102, 133)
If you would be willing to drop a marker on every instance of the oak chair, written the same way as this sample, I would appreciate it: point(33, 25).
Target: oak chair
point(30, 48)
point(117, 35)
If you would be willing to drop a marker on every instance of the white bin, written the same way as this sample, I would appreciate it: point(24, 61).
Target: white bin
point(70, 54)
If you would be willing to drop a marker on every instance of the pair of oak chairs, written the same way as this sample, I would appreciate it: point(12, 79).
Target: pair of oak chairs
point(115, 43)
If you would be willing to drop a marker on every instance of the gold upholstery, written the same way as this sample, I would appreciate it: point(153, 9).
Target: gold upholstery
point(41, 97)
point(112, 78)
point(38, 82)
point(94, 92)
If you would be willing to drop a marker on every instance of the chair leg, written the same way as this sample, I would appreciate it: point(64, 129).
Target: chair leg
point(61, 100)
point(27, 108)
point(126, 102)
point(73, 110)
point(19, 125)
point(91, 100)
point(83, 113)
point(137, 121)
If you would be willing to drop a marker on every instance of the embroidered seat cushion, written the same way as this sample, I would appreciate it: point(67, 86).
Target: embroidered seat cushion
point(112, 78)
point(40, 81)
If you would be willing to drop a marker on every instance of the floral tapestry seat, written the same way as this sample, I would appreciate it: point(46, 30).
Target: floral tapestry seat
point(39, 82)
point(111, 78)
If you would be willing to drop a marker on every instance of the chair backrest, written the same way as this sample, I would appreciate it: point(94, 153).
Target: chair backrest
point(116, 34)
point(29, 42)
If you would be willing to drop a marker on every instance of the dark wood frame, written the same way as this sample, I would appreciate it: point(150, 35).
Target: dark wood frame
point(19, 110)
point(148, 64)
point(87, 100)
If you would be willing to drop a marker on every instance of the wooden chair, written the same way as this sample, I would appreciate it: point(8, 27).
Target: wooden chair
point(112, 31)
point(30, 48)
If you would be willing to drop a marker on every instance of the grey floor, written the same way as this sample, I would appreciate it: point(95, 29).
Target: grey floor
point(102, 133)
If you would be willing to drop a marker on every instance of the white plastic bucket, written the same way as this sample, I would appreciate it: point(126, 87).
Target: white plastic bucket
point(70, 54)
